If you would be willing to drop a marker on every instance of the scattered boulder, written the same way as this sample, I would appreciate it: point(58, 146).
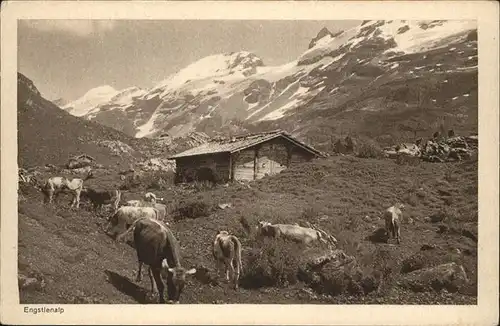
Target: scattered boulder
point(225, 205)
point(80, 161)
point(117, 147)
point(344, 146)
point(30, 283)
point(157, 164)
point(450, 276)
point(427, 247)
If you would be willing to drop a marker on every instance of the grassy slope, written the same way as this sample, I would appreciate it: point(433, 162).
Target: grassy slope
point(80, 264)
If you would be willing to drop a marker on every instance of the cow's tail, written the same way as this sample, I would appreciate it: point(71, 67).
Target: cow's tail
point(237, 252)
point(117, 200)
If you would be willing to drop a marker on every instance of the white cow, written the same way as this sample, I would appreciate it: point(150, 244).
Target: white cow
point(292, 232)
point(393, 216)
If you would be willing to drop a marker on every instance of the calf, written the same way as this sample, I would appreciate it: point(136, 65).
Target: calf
point(393, 216)
point(227, 251)
point(157, 247)
point(98, 198)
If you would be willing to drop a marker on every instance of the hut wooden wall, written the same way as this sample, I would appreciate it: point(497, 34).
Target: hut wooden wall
point(187, 168)
point(272, 157)
point(243, 164)
point(268, 158)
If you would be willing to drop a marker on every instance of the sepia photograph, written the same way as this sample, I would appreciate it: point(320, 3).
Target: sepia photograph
point(252, 161)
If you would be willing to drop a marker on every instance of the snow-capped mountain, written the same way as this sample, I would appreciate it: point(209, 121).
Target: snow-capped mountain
point(338, 81)
point(90, 100)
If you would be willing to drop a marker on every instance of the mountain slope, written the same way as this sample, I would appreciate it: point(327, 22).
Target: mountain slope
point(422, 74)
point(47, 134)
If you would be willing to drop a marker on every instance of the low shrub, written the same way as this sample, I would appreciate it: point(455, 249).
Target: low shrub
point(272, 262)
point(192, 209)
point(369, 149)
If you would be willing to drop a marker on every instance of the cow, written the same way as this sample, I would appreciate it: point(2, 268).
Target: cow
point(99, 197)
point(55, 185)
point(162, 208)
point(227, 253)
point(125, 216)
point(393, 216)
point(292, 232)
point(157, 247)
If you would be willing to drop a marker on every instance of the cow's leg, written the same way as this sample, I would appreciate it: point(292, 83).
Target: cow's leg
point(73, 201)
point(397, 230)
point(138, 278)
point(236, 274)
point(231, 270)
point(220, 268)
point(151, 279)
point(159, 284)
point(228, 266)
point(171, 292)
point(77, 198)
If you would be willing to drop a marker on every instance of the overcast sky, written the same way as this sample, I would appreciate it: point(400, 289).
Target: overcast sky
point(66, 58)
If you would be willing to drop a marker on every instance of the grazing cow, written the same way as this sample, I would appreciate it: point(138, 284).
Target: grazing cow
point(292, 232)
point(157, 247)
point(102, 197)
point(393, 217)
point(125, 216)
point(227, 252)
point(55, 185)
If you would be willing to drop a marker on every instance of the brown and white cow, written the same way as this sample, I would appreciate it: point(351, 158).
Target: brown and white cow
point(393, 216)
point(157, 247)
point(227, 253)
point(55, 185)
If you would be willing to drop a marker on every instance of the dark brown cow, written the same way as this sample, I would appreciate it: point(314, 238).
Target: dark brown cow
point(157, 247)
point(99, 197)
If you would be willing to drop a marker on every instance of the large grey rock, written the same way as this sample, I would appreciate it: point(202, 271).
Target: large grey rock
point(450, 276)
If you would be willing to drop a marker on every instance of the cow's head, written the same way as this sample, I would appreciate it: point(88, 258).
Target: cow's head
point(399, 205)
point(222, 232)
point(150, 197)
point(262, 225)
point(178, 279)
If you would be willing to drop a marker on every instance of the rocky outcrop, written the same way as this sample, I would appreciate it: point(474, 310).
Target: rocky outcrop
point(80, 161)
point(436, 150)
